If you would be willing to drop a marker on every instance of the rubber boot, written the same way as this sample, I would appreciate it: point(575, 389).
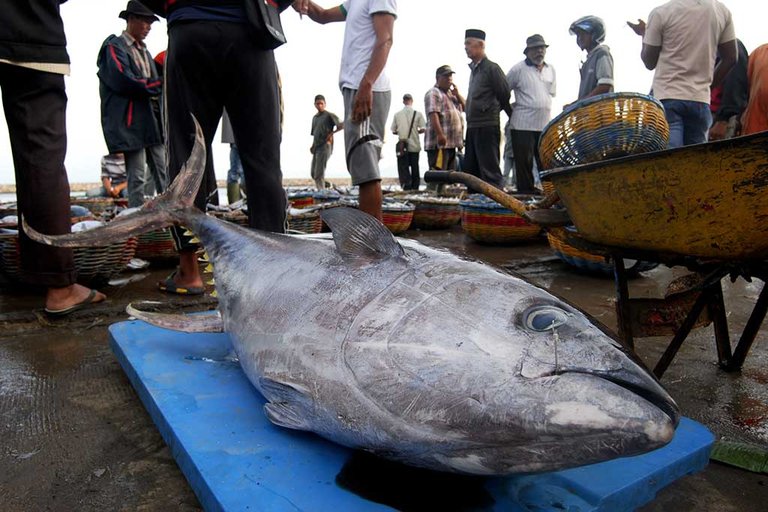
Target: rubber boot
point(233, 192)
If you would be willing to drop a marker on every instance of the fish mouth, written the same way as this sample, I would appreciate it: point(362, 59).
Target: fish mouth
point(643, 386)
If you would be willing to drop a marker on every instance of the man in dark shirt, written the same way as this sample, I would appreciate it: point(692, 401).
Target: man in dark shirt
point(324, 125)
point(488, 94)
point(33, 62)
point(217, 59)
point(130, 88)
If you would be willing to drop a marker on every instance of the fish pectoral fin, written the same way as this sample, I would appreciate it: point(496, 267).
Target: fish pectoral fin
point(359, 236)
point(178, 322)
point(289, 405)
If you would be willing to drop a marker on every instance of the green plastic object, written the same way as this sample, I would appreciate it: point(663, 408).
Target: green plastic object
point(742, 455)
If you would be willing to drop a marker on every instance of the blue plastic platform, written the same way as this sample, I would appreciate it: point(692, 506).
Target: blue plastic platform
point(235, 459)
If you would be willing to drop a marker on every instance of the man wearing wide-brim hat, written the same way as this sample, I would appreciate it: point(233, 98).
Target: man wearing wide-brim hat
point(130, 88)
point(488, 94)
point(535, 84)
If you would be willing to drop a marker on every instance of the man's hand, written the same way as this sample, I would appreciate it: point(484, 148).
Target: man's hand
point(638, 27)
point(717, 132)
point(442, 140)
point(363, 105)
point(301, 7)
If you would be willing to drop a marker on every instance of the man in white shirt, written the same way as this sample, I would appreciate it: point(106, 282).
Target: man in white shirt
point(681, 42)
point(534, 84)
point(408, 124)
point(364, 86)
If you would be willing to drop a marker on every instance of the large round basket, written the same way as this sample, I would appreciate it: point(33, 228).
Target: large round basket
point(397, 216)
point(485, 220)
point(587, 261)
point(307, 221)
point(156, 245)
point(434, 212)
point(93, 264)
point(603, 127)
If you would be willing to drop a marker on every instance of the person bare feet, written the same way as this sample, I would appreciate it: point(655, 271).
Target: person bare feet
point(62, 301)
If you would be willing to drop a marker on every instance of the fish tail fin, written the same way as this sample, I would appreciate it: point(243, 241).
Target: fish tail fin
point(172, 207)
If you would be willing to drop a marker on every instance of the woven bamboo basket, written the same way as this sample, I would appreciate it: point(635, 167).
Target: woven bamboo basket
point(156, 245)
point(235, 216)
point(93, 264)
point(603, 127)
point(308, 222)
point(397, 217)
point(486, 221)
point(434, 212)
point(576, 257)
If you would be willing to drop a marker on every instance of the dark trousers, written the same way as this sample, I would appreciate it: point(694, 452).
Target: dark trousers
point(35, 106)
point(408, 170)
point(481, 154)
point(525, 148)
point(212, 65)
point(448, 160)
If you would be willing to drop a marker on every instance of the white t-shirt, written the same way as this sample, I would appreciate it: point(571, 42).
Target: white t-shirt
point(359, 40)
point(688, 32)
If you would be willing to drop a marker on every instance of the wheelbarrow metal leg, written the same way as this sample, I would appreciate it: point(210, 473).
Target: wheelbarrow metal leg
point(682, 333)
point(720, 324)
point(750, 332)
point(623, 305)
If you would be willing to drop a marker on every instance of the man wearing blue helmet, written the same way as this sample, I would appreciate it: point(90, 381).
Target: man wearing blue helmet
point(597, 70)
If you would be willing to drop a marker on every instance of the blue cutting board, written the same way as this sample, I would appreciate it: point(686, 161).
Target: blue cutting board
point(235, 459)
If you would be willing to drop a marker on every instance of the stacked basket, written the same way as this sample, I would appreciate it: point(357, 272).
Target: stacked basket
point(156, 245)
point(434, 212)
point(300, 198)
point(306, 220)
point(603, 127)
point(599, 128)
point(485, 220)
point(93, 264)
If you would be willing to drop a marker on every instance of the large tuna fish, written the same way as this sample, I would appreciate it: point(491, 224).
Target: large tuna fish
point(409, 352)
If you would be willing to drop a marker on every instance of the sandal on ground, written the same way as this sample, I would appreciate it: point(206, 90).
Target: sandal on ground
point(74, 307)
point(170, 286)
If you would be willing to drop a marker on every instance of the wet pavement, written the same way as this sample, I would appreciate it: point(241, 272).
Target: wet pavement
point(74, 435)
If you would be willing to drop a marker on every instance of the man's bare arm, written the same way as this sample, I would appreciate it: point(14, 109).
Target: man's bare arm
point(383, 25)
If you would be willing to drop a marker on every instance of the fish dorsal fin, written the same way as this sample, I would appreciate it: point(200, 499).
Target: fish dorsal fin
point(359, 236)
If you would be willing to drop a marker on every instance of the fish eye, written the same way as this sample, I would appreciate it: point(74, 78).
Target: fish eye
point(544, 318)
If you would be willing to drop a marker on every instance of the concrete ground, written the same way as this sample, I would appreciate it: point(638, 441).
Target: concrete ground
point(74, 435)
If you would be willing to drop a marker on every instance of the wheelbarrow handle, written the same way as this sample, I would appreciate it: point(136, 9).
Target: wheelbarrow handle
point(543, 217)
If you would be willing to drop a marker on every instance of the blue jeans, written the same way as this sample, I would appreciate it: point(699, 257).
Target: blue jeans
point(235, 172)
point(689, 122)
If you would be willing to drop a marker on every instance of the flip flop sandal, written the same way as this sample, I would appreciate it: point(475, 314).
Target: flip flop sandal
point(74, 307)
point(169, 286)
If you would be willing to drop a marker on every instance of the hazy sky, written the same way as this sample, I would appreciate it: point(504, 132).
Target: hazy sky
point(428, 33)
